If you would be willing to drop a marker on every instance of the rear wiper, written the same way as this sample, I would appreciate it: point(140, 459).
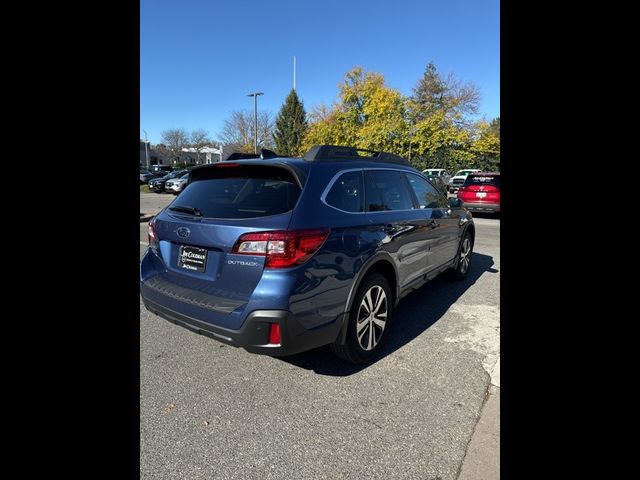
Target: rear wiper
point(186, 209)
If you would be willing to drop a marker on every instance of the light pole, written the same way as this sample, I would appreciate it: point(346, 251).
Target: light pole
point(146, 148)
point(255, 119)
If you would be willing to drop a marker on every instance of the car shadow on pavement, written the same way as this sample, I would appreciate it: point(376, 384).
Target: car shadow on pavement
point(414, 314)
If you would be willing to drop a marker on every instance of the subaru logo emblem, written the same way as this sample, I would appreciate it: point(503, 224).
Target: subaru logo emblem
point(183, 232)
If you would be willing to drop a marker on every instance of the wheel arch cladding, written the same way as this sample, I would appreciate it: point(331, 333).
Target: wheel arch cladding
point(385, 268)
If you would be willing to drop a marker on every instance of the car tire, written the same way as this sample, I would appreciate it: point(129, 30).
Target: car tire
point(463, 260)
point(367, 334)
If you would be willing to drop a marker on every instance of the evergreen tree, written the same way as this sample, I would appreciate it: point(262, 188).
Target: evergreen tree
point(435, 93)
point(495, 126)
point(291, 126)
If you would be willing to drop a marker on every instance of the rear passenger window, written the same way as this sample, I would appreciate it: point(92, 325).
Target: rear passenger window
point(347, 193)
point(387, 190)
point(428, 196)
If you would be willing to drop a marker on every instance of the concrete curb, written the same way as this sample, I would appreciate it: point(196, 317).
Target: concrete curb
point(482, 459)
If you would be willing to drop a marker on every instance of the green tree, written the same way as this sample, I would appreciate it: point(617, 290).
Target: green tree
point(432, 128)
point(486, 145)
point(291, 126)
point(368, 115)
point(435, 93)
point(494, 126)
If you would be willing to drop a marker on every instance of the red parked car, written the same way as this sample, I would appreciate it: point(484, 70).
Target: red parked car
point(481, 192)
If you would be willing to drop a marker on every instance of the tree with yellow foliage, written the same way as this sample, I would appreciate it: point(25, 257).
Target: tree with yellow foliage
point(429, 128)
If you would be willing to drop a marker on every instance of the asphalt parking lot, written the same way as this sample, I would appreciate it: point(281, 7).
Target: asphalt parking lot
point(208, 410)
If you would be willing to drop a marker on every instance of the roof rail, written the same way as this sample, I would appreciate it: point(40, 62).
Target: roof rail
point(332, 153)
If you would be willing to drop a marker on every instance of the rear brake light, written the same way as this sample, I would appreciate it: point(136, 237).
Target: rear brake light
point(282, 249)
point(227, 164)
point(153, 233)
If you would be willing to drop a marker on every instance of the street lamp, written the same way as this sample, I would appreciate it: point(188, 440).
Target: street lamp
point(146, 147)
point(255, 119)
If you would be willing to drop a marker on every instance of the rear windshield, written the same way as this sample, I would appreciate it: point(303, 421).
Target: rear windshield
point(483, 180)
point(243, 192)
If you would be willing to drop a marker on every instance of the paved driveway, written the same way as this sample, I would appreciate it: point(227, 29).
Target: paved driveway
point(208, 410)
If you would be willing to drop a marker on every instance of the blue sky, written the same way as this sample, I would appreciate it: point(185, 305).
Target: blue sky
point(199, 59)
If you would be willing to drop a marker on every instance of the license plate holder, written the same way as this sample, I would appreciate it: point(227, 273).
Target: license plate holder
point(192, 258)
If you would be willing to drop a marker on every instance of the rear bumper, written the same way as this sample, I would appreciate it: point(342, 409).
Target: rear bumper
point(482, 207)
point(254, 334)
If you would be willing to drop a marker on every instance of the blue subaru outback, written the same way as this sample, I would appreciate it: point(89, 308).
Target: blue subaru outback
point(282, 255)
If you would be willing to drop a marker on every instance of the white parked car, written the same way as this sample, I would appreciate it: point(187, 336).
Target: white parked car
point(176, 185)
point(458, 179)
point(438, 172)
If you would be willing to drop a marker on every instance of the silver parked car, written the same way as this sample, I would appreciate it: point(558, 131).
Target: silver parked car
point(145, 176)
point(176, 185)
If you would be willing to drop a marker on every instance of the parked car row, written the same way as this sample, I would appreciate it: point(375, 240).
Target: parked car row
point(155, 171)
point(158, 185)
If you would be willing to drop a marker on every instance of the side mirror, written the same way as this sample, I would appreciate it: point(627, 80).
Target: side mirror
point(455, 203)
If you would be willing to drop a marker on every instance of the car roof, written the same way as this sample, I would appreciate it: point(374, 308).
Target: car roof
point(480, 174)
point(301, 167)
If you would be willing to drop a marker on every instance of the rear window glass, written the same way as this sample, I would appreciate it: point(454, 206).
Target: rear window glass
point(483, 180)
point(347, 193)
point(242, 192)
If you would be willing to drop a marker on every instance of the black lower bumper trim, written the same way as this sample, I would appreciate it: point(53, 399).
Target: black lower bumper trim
point(254, 334)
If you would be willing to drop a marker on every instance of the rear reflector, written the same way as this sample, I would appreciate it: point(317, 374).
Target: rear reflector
point(282, 248)
point(274, 334)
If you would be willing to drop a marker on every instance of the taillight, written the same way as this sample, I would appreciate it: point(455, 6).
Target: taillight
point(282, 249)
point(153, 233)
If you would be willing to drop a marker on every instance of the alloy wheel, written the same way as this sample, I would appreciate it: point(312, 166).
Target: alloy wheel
point(372, 317)
point(465, 255)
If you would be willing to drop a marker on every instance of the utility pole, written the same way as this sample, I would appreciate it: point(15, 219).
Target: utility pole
point(146, 148)
point(255, 119)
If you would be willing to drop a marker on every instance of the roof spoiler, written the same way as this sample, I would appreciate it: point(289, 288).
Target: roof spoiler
point(264, 153)
point(332, 153)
